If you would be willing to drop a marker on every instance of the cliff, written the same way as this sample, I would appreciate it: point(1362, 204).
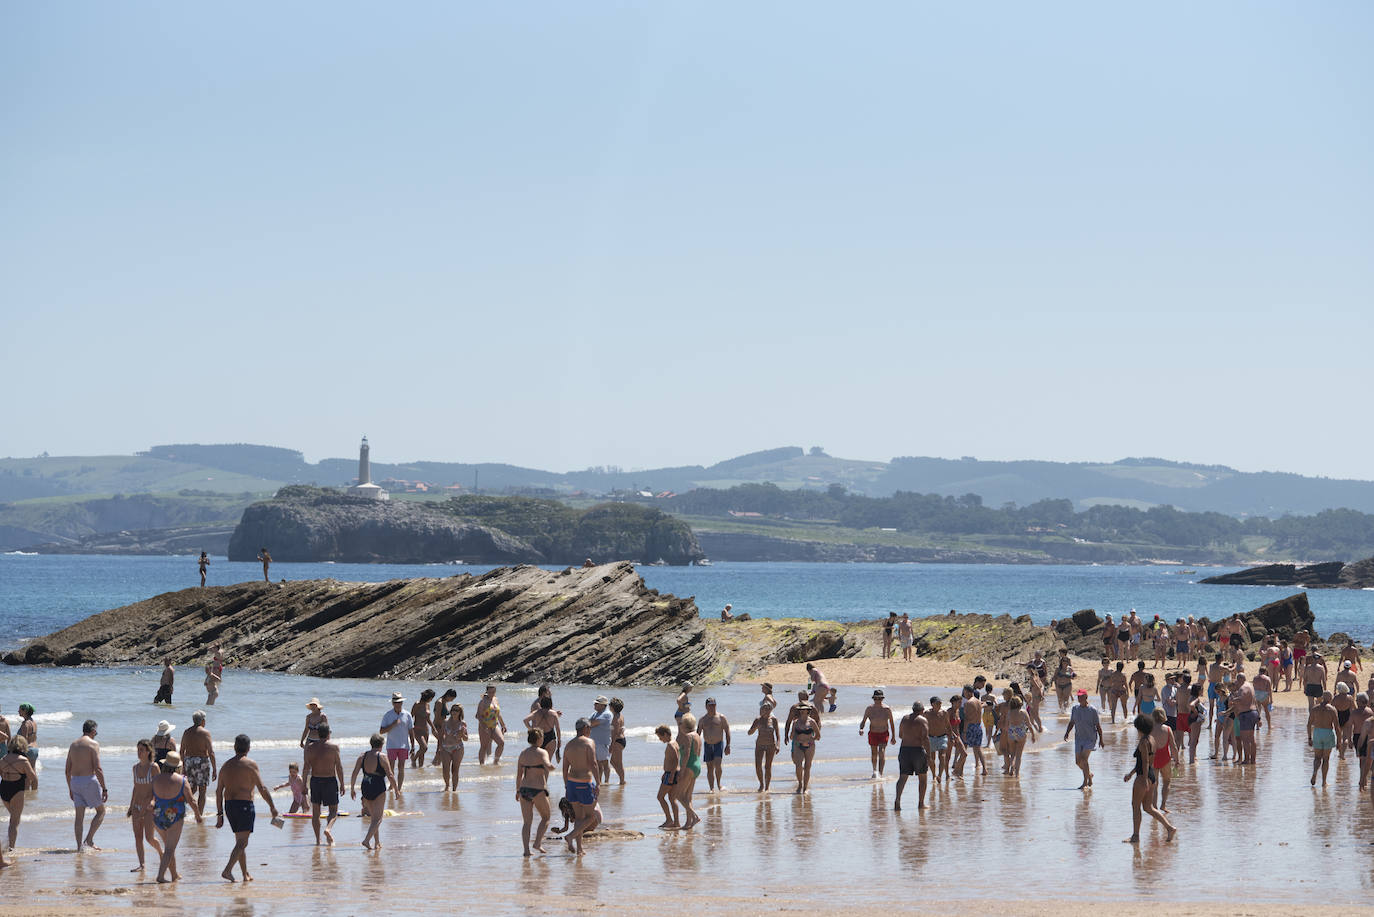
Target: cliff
point(311, 524)
point(598, 625)
point(1330, 575)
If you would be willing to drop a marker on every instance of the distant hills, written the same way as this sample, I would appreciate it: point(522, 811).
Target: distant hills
point(248, 470)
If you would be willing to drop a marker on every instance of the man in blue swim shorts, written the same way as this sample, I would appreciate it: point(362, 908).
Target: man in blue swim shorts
point(971, 716)
point(579, 783)
point(715, 743)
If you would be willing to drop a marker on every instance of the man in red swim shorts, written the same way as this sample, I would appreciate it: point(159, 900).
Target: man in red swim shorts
point(879, 719)
point(399, 729)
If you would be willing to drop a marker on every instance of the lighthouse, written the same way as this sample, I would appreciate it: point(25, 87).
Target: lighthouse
point(365, 488)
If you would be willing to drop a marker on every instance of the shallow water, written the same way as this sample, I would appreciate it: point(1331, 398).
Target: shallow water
point(1245, 831)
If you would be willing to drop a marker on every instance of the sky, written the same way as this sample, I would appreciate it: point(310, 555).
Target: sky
point(644, 234)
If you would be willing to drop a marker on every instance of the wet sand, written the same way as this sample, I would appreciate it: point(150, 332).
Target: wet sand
point(1037, 838)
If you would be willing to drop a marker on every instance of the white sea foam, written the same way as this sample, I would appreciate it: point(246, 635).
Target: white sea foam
point(57, 716)
point(21, 553)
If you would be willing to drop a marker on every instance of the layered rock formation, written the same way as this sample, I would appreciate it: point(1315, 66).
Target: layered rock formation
point(597, 625)
point(1330, 575)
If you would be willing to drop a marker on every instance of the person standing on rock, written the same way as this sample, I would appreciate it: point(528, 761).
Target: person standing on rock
point(491, 728)
point(164, 685)
point(1086, 725)
point(878, 717)
point(266, 562)
point(204, 565)
point(86, 783)
point(399, 729)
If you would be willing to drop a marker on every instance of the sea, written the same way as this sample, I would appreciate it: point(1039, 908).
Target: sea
point(842, 843)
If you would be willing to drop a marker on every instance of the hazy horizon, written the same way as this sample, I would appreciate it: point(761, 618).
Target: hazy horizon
point(654, 235)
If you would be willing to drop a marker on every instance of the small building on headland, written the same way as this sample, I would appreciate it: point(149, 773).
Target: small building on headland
point(365, 488)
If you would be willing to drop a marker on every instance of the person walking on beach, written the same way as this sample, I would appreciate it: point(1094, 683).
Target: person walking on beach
point(579, 784)
point(803, 731)
point(971, 715)
point(939, 727)
point(198, 755)
point(204, 564)
point(1322, 724)
point(399, 729)
point(532, 769)
point(17, 776)
point(491, 728)
point(1086, 725)
point(451, 740)
point(905, 636)
point(878, 717)
point(889, 626)
point(601, 737)
point(688, 767)
point(164, 685)
point(714, 729)
point(1144, 777)
point(171, 796)
point(667, 784)
point(266, 562)
point(375, 767)
point(238, 779)
point(1243, 708)
point(420, 716)
point(765, 727)
point(1162, 740)
point(618, 741)
point(1314, 677)
point(545, 719)
point(913, 757)
point(323, 773)
point(1063, 679)
point(439, 718)
point(820, 688)
point(1015, 729)
point(314, 719)
point(86, 783)
point(140, 811)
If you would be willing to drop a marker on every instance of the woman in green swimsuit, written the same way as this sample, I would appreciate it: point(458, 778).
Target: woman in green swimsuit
point(688, 767)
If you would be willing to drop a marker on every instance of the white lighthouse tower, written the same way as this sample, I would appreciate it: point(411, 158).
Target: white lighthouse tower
point(365, 487)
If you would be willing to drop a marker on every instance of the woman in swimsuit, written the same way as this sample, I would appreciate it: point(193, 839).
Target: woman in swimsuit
point(956, 732)
point(1285, 665)
point(140, 813)
point(491, 727)
point(689, 767)
point(531, 789)
point(438, 720)
point(163, 742)
point(171, 795)
point(1063, 681)
point(618, 738)
point(16, 776)
point(29, 730)
point(765, 725)
point(419, 712)
point(376, 771)
point(1162, 740)
point(684, 701)
point(804, 732)
point(1197, 719)
point(313, 721)
point(1143, 773)
point(1222, 736)
point(451, 739)
point(1147, 697)
point(767, 689)
point(1016, 728)
point(1037, 697)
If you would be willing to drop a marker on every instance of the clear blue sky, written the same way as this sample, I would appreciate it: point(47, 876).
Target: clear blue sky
point(566, 234)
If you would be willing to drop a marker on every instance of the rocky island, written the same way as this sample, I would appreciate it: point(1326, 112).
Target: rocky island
point(1330, 575)
point(303, 523)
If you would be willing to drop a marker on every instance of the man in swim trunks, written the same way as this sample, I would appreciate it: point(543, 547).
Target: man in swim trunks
point(86, 783)
point(238, 778)
point(1321, 735)
point(1264, 694)
point(971, 715)
point(1301, 642)
point(579, 784)
point(164, 685)
point(1313, 678)
point(1246, 718)
point(198, 756)
point(1350, 653)
point(878, 717)
point(905, 636)
point(914, 755)
point(399, 728)
point(601, 737)
point(937, 722)
point(1086, 725)
point(1136, 628)
point(714, 730)
point(1108, 638)
point(323, 773)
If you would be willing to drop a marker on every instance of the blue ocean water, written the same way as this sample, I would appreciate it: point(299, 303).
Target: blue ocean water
point(42, 593)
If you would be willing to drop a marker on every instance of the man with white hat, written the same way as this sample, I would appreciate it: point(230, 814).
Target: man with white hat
point(399, 729)
point(600, 723)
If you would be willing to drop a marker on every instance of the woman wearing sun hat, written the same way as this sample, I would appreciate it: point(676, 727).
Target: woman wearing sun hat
point(163, 741)
point(313, 720)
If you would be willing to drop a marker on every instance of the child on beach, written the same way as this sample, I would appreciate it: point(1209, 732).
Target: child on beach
point(297, 785)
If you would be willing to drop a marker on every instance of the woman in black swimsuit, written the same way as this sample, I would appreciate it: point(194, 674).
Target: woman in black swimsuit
point(16, 776)
point(618, 738)
point(531, 789)
point(1143, 773)
point(376, 771)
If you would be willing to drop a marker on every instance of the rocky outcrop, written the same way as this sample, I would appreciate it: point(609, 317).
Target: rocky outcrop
point(351, 530)
point(749, 547)
point(999, 644)
point(313, 524)
point(596, 625)
point(1312, 576)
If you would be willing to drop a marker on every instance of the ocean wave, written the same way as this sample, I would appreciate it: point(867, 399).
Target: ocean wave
point(21, 553)
point(57, 716)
